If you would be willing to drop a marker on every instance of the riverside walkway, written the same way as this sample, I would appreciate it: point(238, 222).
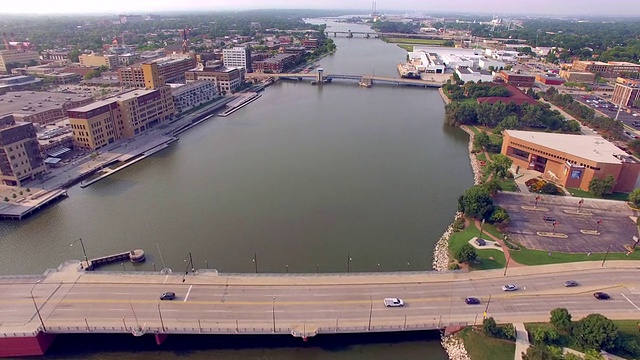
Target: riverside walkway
point(69, 300)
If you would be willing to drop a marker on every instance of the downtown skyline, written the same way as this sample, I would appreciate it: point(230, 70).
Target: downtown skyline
point(541, 7)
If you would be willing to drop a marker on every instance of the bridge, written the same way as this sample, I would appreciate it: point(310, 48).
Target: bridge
point(70, 300)
point(319, 77)
point(370, 34)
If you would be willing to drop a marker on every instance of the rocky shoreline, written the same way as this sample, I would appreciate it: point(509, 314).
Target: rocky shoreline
point(454, 347)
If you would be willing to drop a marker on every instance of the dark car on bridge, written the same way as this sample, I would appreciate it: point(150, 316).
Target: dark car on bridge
point(168, 296)
point(472, 301)
point(601, 295)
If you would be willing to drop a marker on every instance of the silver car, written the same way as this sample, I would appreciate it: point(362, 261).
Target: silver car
point(509, 287)
point(393, 302)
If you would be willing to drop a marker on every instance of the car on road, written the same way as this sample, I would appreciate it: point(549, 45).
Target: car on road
point(601, 295)
point(548, 218)
point(509, 287)
point(570, 283)
point(472, 301)
point(168, 295)
point(393, 302)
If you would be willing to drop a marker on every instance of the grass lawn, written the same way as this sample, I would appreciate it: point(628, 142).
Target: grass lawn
point(481, 157)
point(508, 185)
point(482, 347)
point(474, 129)
point(462, 237)
point(585, 194)
point(407, 47)
point(415, 41)
point(539, 257)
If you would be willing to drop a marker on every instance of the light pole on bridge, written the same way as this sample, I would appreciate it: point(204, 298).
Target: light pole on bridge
point(273, 311)
point(86, 259)
point(36, 306)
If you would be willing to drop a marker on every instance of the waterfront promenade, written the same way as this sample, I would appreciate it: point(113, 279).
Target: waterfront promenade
point(69, 300)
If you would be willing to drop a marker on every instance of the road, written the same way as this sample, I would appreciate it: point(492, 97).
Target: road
point(307, 305)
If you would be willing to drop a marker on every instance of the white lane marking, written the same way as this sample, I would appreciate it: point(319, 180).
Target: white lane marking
point(165, 279)
point(166, 310)
point(188, 292)
point(8, 310)
point(630, 302)
point(121, 293)
point(117, 309)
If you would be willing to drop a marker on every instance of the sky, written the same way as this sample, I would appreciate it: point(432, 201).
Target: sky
point(549, 7)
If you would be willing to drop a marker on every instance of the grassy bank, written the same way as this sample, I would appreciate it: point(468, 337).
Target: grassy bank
point(482, 347)
point(415, 41)
point(489, 258)
point(585, 194)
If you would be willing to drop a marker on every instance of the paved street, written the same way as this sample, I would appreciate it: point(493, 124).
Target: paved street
point(74, 301)
point(616, 228)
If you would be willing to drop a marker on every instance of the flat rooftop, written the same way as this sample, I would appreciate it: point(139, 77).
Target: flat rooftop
point(593, 148)
point(14, 102)
point(120, 97)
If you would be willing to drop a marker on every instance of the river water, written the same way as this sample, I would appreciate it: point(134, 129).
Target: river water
point(305, 178)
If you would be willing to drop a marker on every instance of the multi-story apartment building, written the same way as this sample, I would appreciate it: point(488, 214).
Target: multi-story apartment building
point(275, 64)
point(53, 54)
point(227, 79)
point(626, 92)
point(606, 69)
point(39, 106)
point(189, 96)
point(169, 68)
point(584, 77)
point(238, 56)
point(90, 60)
point(20, 156)
point(16, 57)
point(123, 116)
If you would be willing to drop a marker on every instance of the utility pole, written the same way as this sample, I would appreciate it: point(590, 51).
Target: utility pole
point(605, 256)
point(84, 252)
point(273, 311)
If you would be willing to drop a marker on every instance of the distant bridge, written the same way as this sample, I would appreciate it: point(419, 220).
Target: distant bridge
point(366, 79)
point(369, 34)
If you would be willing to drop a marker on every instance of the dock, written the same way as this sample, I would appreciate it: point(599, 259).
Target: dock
point(23, 207)
point(135, 256)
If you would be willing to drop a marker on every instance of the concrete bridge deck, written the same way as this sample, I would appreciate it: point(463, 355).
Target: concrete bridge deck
point(69, 300)
point(355, 77)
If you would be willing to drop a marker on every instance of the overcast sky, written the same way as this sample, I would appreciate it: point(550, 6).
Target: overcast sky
point(551, 7)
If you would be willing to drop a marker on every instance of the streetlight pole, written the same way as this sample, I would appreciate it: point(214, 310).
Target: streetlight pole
point(36, 306)
point(507, 264)
point(161, 321)
point(486, 308)
point(86, 259)
point(206, 263)
point(370, 311)
point(605, 256)
point(193, 270)
point(273, 311)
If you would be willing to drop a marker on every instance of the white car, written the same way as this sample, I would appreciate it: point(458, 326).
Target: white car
point(509, 287)
point(393, 302)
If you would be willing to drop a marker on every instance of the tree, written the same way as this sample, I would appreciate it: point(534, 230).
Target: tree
point(500, 166)
point(593, 355)
point(481, 140)
point(500, 216)
point(595, 332)
point(466, 254)
point(492, 186)
point(540, 352)
point(542, 335)
point(599, 187)
point(489, 327)
point(476, 202)
point(634, 197)
point(561, 319)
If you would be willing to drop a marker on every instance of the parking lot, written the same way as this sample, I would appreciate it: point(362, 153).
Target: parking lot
point(616, 228)
point(611, 110)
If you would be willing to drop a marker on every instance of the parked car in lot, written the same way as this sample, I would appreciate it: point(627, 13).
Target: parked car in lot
point(601, 295)
point(393, 302)
point(570, 283)
point(548, 218)
point(472, 301)
point(509, 287)
point(168, 295)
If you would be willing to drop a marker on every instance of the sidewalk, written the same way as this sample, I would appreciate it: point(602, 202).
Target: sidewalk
point(522, 340)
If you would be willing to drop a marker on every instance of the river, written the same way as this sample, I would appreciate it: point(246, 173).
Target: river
point(306, 178)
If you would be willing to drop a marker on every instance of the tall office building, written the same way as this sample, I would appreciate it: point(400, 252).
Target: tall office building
point(238, 56)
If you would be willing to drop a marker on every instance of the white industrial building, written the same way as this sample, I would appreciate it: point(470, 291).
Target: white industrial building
point(426, 62)
point(467, 75)
point(485, 64)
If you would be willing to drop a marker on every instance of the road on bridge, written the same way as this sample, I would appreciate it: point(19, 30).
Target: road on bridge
point(74, 301)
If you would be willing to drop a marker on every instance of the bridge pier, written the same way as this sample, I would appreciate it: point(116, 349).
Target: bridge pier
point(160, 338)
point(25, 345)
